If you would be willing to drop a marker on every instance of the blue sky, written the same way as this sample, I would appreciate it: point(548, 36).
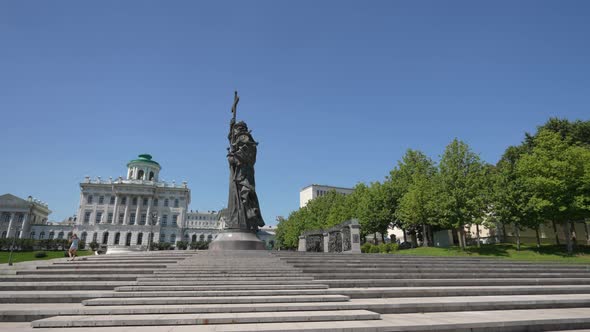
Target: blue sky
point(334, 91)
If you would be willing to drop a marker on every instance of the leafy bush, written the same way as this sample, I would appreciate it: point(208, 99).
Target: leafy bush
point(164, 245)
point(93, 245)
point(366, 248)
point(40, 254)
point(201, 245)
point(181, 245)
point(374, 249)
point(388, 248)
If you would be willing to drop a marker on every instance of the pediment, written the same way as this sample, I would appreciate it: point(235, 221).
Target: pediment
point(9, 200)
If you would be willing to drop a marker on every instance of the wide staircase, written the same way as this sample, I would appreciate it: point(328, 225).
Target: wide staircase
point(292, 291)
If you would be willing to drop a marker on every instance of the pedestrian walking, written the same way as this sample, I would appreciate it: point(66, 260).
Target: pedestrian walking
point(74, 246)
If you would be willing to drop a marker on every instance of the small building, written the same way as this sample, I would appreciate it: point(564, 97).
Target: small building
point(19, 216)
point(316, 190)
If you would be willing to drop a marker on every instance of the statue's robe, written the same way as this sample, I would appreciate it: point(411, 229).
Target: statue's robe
point(243, 206)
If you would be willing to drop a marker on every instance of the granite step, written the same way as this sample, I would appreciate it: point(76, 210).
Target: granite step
point(367, 283)
point(75, 266)
point(472, 275)
point(204, 319)
point(228, 278)
point(53, 296)
point(112, 301)
point(472, 291)
point(78, 271)
point(167, 287)
point(192, 282)
point(67, 277)
point(446, 269)
point(63, 285)
point(227, 293)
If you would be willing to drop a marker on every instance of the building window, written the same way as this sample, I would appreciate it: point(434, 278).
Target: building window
point(89, 199)
point(166, 202)
point(121, 217)
point(5, 217)
point(83, 236)
point(132, 219)
point(105, 238)
point(164, 220)
point(155, 202)
point(98, 217)
point(42, 236)
point(134, 201)
point(176, 202)
point(32, 236)
point(117, 238)
point(172, 238)
point(110, 218)
point(4, 234)
point(151, 176)
point(112, 201)
point(87, 216)
point(162, 237)
point(140, 174)
point(124, 200)
point(143, 219)
point(60, 236)
point(145, 202)
point(139, 238)
point(174, 219)
point(101, 200)
point(95, 237)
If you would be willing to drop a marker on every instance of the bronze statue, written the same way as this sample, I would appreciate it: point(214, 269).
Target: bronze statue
point(243, 207)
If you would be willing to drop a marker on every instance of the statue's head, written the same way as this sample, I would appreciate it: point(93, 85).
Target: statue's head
point(241, 127)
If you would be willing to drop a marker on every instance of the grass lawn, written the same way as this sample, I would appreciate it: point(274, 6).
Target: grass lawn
point(30, 255)
point(547, 253)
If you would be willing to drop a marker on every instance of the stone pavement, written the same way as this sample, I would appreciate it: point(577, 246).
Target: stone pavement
point(286, 291)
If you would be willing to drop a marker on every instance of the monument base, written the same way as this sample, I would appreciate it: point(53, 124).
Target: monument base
point(231, 239)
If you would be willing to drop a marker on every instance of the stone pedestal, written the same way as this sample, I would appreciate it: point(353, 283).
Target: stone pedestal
point(326, 242)
point(234, 239)
point(355, 238)
point(302, 244)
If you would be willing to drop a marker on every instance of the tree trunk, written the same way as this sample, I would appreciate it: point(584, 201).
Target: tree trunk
point(587, 234)
point(375, 241)
point(503, 232)
point(425, 242)
point(538, 237)
point(382, 237)
point(405, 236)
point(414, 239)
point(568, 238)
point(555, 231)
point(477, 234)
point(573, 233)
point(517, 233)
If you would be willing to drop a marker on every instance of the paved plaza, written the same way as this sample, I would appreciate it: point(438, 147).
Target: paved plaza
point(291, 291)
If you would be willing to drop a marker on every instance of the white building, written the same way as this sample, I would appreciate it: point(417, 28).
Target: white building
point(20, 216)
point(315, 190)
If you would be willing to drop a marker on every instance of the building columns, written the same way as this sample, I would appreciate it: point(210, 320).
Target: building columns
point(138, 209)
point(148, 212)
point(25, 226)
point(10, 231)
point(116, 210)
point(126, 216)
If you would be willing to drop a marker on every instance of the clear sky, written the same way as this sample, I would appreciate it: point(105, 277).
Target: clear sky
point(334, 91)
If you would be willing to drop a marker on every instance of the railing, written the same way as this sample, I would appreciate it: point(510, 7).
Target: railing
point(159, 184)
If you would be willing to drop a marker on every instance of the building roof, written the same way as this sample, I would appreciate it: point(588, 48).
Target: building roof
point(144, 158)
point(323, 185)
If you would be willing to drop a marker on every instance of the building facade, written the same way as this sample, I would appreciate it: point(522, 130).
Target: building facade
point(316, 190)
point(21, 216)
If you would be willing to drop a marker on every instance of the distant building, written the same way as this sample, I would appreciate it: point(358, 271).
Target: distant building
point(315, 190)
point(20, 216)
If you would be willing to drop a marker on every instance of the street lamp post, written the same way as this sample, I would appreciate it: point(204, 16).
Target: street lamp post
point(153, 220)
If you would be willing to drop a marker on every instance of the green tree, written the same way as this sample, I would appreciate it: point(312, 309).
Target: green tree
point(555, 171)
point(413, 165)
point(460, 187)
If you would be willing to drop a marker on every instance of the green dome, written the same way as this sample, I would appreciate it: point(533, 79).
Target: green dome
point(144, 158)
